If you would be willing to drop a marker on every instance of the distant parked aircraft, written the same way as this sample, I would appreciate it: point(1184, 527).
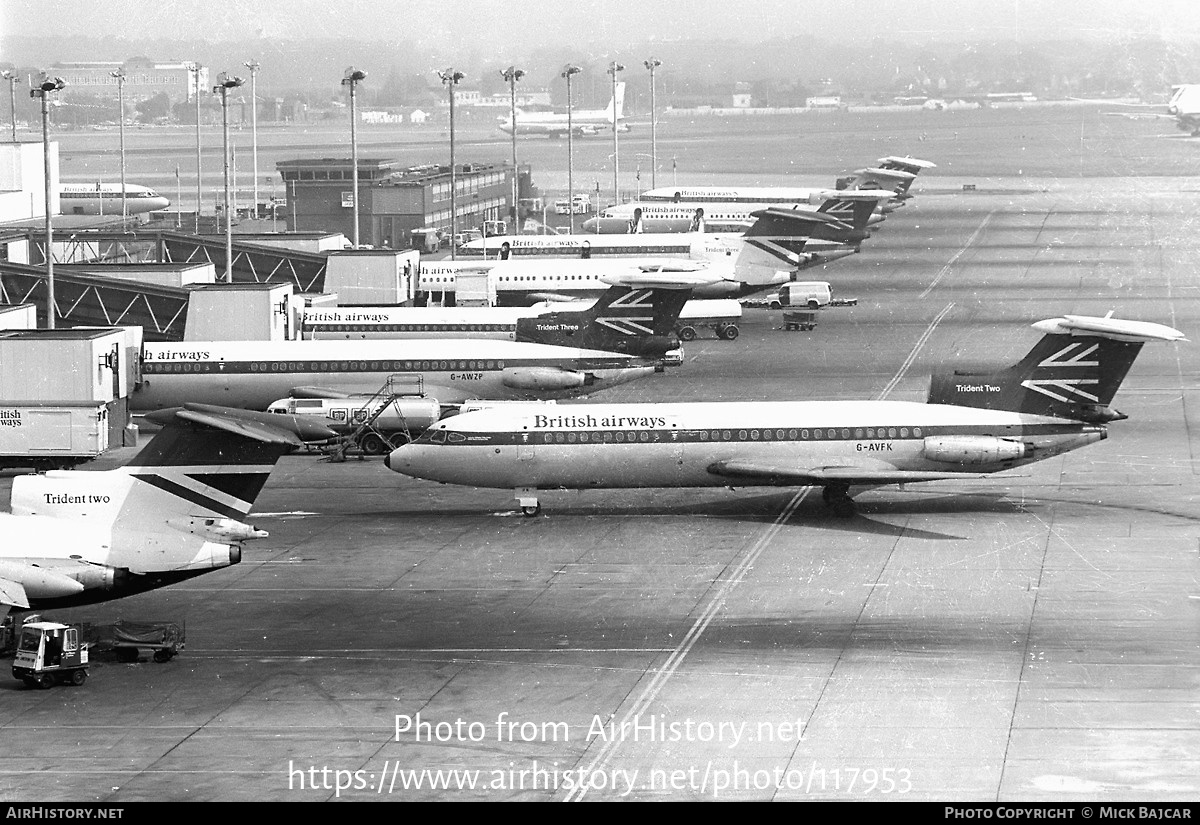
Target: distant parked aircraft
point(105, 199)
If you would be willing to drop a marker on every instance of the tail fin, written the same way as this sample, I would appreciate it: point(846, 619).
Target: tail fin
point(906, 164)
point(638, 320)
point(780, 241)
point(856, 212)
point(617, 102)
point(171, 514)
point(895, 181)
point(1072, 372)
point(206, 461)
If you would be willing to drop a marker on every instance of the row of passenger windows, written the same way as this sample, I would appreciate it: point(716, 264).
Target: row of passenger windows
point(327, 366)
point(845, 433)
point(323, 327)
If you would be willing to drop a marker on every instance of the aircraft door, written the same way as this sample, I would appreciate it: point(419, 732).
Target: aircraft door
point(525, 451)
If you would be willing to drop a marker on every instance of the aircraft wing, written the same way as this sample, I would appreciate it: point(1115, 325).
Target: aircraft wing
point(13, 594)
point(834, 474)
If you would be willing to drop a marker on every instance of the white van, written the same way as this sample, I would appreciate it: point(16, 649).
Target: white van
point(811, 294)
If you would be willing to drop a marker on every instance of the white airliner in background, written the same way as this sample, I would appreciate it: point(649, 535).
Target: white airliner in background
point(701, 213)
point(893, 173)
point(582, 121)
point(777, 245)
point(105, 199)
point(974, 423)
point(1183, 107)
point(174, 512)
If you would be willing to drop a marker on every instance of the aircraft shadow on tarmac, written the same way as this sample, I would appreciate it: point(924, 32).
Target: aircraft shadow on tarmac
point(766, 508)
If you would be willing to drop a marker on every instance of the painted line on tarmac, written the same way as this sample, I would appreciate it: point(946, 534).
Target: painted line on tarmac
point(950, 264)
point(912, 355)
point(664, 673)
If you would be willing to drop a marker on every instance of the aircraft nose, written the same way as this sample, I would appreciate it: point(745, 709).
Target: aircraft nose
point(387, 461)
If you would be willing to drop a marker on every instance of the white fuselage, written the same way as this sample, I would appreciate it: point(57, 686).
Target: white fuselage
point(105, 199)
point(529, 279)
point(716, 212)
point(387, 322)
point(253, 374)
point(580, 446)
point(761, 196)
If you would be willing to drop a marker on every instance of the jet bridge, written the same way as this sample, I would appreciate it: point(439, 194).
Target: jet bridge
point(89, 300)
point(252, 263)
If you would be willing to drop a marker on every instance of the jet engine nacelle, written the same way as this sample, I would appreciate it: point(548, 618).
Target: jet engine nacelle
point(39, 582)
point(973, 449)
point(219, 530)
point(543, 378)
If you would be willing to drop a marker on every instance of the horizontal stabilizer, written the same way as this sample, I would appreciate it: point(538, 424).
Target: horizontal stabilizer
point(859, 195)
point(893, 174)
point(1109, 327)
point(825, 475)
point(915, 163)
point(230, 418)
point(798, 216)
point(255, 430)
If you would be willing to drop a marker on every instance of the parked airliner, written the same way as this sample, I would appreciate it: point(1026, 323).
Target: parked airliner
point(638, 319)
point(252, 374)
point(974, 423)
point(105, 199)
point(583, 122)
point(174, 512)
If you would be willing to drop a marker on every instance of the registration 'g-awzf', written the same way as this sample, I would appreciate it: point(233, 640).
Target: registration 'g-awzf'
point(1055, 400)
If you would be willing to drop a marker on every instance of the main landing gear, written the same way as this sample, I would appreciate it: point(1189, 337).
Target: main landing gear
point(837, 498)
point(528, 502)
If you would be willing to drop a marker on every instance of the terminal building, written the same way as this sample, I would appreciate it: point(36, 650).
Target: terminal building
point(393, 199)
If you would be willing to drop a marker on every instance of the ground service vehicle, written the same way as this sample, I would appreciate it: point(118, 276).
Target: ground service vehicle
point(426, 239)
point(811, 294)
point(163, 640)
point(49, 654)
point(721, 315)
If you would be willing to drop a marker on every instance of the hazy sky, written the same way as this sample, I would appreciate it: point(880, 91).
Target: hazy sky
point(536, 22)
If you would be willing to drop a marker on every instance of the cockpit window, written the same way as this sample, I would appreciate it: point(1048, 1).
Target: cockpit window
point(438, 437)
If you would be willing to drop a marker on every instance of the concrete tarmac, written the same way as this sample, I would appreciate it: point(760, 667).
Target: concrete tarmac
point(1035, 637)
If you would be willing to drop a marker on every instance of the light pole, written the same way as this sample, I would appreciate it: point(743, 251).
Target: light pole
point(196, 69)
point(566, 73)
point(512, 74)
point(46, 87)
point(252, 65)
point(652, 64)
point(11, 77)
point(450, 77)
point(224, 84)
point(352, 78)
point(119, 74)
point(613, 68)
